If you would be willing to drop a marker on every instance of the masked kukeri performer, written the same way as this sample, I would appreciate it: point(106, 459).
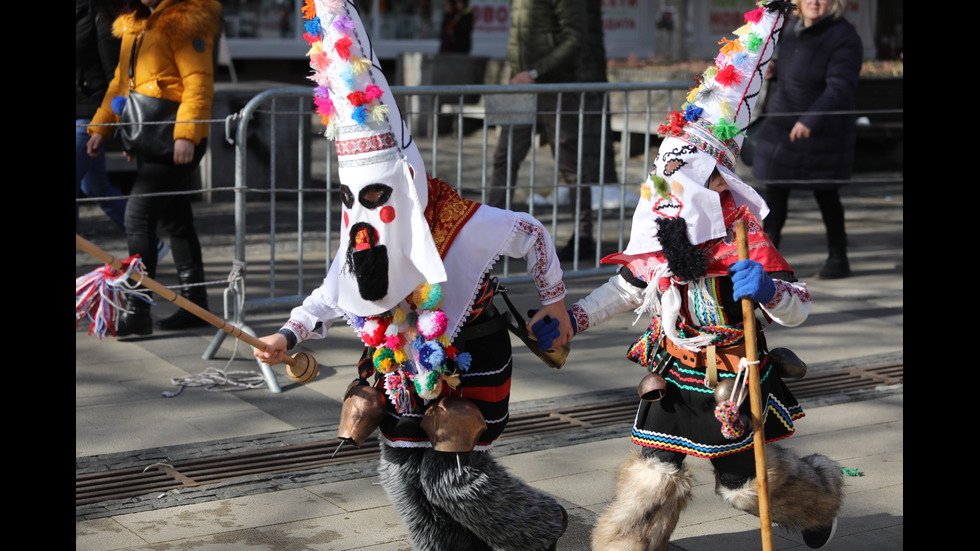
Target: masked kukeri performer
point(681, 267)
point(411, 278)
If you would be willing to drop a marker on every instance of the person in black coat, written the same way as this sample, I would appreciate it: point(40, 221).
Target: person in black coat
point(457, 27)
point(96, 56)
point(812, 147)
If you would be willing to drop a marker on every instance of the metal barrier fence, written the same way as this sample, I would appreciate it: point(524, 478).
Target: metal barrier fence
point(291, 224)
point(456, 129)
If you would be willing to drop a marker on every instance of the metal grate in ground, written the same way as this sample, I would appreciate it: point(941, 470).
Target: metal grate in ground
point(130, 482)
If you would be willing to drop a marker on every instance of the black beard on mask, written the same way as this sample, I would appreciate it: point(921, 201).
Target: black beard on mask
point(683, 258)
point(369, 265)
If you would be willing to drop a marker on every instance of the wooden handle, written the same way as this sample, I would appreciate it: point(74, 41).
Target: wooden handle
point(177, 299)
point(755, 397)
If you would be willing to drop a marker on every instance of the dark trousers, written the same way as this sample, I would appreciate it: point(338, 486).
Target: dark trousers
point(733, 470)
point(172, 212)
point(515, 143)
point(831, 210)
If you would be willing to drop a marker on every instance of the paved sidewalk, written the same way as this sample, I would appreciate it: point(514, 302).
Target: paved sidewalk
point(122, 419)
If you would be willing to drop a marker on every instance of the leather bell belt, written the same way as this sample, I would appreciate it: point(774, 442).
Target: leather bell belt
point(726, 358)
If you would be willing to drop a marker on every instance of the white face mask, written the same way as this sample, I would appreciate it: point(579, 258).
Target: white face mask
point(676, 189)
point(386, 248)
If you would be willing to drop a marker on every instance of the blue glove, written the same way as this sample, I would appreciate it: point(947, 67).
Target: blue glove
point(751, 280)
point(546, 330)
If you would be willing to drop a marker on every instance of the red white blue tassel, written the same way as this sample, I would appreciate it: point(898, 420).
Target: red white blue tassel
point(98, 296)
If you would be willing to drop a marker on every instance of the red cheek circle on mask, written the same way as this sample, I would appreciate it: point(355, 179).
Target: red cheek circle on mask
point(387, 214)
point(346, 220)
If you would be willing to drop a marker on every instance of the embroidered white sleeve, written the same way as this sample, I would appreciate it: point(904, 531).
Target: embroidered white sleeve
point(790, 306)
point(533, 243)
point(607, 301)
point(303, 319)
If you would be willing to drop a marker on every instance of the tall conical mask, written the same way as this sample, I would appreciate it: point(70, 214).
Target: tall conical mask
point(707, 135)
point(386, 247)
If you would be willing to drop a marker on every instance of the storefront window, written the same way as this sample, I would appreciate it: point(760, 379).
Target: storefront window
point(384, 19)
point(262, 18)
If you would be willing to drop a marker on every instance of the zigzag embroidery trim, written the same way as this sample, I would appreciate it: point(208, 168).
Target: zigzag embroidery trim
point(784, 416)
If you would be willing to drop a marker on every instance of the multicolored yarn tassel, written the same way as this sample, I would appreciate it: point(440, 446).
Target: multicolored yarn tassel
point(727, 410)
point(99, 294)
point(731, 424)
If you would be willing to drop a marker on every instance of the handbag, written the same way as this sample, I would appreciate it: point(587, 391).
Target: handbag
point(140, 130)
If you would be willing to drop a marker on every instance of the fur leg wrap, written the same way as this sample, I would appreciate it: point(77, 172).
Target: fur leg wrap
point(650, 495)
point(431, 529)
point(504, 512)
point(804, 492)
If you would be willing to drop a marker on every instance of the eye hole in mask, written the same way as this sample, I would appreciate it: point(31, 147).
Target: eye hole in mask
point(373, 196)
point(346, 196)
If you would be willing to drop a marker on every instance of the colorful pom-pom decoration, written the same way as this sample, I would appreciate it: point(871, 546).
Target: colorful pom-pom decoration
point(724, 130)
point(428, 385)
point(427, 296)
point(675, 125)
point(432, 356)
point(392, 341)
point(731, 426)
point(432, 323)
point(309, 9)
point(384, 360)
point(692, 112)
point(373, 331)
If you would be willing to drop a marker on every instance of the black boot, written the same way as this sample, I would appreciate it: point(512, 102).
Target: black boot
point(188, 275)
point(564, 526)
point(135, 319)
point(837, 266)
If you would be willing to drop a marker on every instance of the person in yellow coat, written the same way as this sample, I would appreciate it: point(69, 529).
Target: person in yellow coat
point(171, 44)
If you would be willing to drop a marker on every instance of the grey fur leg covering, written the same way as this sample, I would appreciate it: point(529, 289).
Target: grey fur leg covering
point(431, 529)
point(504, 512)
point(650, 495)
point(804, 492)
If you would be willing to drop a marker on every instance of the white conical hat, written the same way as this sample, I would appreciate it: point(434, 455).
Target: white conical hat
point(386, 247)
point(708, 136)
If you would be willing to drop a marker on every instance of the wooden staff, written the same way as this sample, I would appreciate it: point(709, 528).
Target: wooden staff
point(755, 397)
point(302, 367)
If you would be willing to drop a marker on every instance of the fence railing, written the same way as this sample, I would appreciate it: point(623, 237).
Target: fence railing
point(292, 225)
point(456, 129)
point(290, 222)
